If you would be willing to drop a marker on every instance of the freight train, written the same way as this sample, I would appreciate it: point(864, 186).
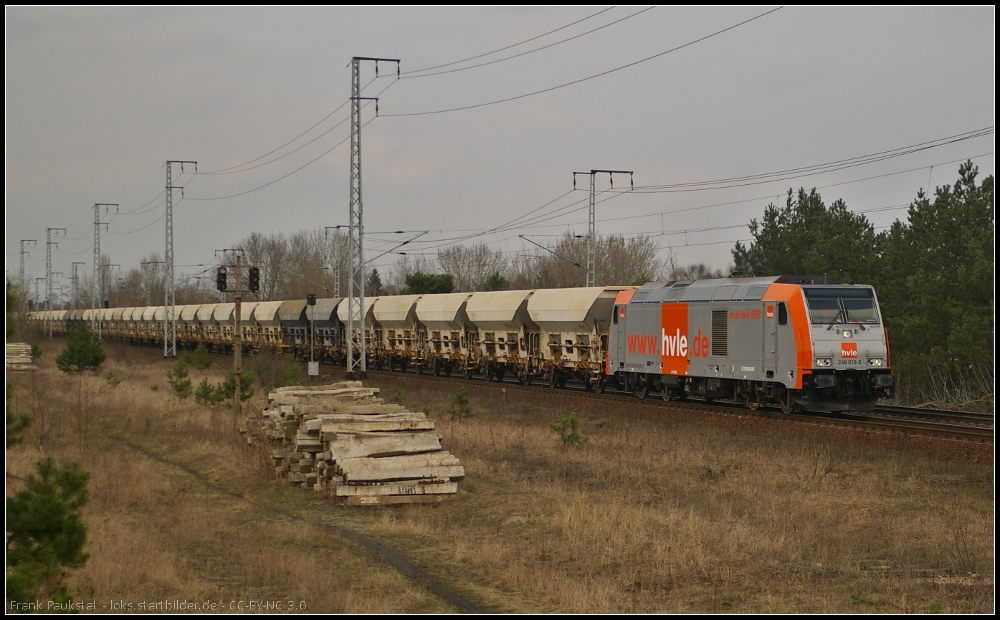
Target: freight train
point(800, 343)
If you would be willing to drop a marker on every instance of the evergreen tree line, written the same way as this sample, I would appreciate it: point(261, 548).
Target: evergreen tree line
point(933, 274)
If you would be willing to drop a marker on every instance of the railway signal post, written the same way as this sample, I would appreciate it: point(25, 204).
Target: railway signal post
point(237, 339)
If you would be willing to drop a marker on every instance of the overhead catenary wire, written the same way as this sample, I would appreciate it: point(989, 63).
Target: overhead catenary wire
point(232, 169)
point(771, 196)
point(538, 49)
point(814, 169)
point(302, 167)
point(588, 78)
point(502, 49)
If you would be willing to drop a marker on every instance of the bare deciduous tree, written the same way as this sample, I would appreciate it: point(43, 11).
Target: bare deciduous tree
point(472, 266)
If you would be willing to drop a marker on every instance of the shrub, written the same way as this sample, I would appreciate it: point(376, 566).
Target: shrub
point(274, 369)
point(207, 394)
point(228, 386)
point(178, 379)
point(568, 430)
point(460, 407)
point(199, 359)
point(83, 351)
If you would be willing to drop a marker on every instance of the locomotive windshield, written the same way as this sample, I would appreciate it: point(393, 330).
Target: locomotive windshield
point(841, 305)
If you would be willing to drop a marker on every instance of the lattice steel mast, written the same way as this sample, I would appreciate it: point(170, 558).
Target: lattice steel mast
point(76, 283)
point(98, 283)
point(356, 281)
point(169, 301)
point(48, 269)
point(24, 285)
point(592, 219)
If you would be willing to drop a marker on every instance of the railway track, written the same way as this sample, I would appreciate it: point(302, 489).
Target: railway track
point(968, 426)
point(960, 425)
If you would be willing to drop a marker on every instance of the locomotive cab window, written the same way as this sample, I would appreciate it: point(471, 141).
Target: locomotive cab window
point(782, 314)
point(841, 305)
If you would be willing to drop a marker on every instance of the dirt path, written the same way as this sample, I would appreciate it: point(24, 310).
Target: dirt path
point(374, 548)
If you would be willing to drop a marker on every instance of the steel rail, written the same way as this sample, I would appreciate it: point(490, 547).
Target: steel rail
point(848, 419)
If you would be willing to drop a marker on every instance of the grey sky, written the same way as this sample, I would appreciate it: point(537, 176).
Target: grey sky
point(98, 99)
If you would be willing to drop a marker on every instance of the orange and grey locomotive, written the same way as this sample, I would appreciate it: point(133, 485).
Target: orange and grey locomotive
point(798, 342)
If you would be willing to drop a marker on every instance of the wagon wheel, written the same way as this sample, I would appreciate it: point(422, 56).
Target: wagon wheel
point(468, 374)
point(641, 389)
point(785, 400)
point(526, 378)
point(553, 379)
point(752, 403)
point(667, 394)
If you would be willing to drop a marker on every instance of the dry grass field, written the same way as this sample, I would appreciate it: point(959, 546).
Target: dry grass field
point(649, 514)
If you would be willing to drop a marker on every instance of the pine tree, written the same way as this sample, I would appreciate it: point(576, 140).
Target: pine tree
point(83, 351)
point(45, 533)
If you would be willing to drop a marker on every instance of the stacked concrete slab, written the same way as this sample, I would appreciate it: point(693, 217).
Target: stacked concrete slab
point(19, 356)
point(344, 441)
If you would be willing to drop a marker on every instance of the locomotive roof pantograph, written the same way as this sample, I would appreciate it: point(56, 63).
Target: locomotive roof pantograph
point(716, 289)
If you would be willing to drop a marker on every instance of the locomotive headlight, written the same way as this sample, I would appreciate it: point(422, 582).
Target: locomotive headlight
point(824, 362)
point(875, 361)
point(846, 333)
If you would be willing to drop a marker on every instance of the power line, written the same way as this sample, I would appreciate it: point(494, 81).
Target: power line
point(771, 196)
point(537, 49)
point(317, 124)
point(308, 163)
point(581, 80)
point(814, 169)
point(456, 62)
